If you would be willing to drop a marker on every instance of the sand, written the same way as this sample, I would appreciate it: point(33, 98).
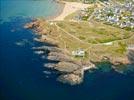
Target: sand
point(69, 8)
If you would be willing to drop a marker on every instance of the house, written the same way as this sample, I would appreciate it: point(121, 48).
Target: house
point(79, 53)
point(122, 25)
point(112, 19)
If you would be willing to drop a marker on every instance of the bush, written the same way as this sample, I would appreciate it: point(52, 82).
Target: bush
point(81, 37)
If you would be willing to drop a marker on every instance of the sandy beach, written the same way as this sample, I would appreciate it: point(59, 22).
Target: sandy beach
point(70, 7)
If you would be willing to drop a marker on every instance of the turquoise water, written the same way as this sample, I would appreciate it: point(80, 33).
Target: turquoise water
point(21, 70)
point(28, 8)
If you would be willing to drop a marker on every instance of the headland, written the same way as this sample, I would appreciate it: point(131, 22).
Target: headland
point(81, 40)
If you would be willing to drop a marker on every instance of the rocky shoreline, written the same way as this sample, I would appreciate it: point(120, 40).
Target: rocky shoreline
point(70, 71)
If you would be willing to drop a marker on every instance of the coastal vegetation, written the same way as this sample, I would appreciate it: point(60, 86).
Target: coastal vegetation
point(109, 41)
point(80, 32)
point(92, 1)
point(89, 32)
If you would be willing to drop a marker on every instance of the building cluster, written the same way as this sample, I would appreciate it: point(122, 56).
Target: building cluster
point(121, 15)
point(83, 14)
point(78, 53)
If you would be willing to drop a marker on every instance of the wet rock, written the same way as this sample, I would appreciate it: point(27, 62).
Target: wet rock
point(32, 24)
point(71, 79)
point(58, 57)
point(29, 26)
point(49, 48)
point(38, 26)
point(47, 72)
point(50, 65)
point(79, 72)
point(39, 52)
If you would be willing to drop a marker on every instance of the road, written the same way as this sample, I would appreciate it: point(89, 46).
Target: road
point(70, 34)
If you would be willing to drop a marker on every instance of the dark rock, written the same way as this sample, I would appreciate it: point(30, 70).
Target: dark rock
point(71, 79)
point(50, 65)
point(58, 57)
point(49, 48)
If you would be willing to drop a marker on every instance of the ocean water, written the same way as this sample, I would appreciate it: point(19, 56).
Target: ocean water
point(28, 8)
point(21, 70)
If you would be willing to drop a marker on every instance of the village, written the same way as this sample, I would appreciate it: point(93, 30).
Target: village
point(120, 15)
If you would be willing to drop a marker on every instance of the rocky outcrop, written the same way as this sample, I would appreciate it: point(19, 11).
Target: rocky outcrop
point(71, 79)
point(38, 25)
point(70, 71)
point(50, 65)
point(67, 67)
point(58, 57)
point(49, 48)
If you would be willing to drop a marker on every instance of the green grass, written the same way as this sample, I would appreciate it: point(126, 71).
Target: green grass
point(122, 48)
point(94, 32)
point(93, 35)
point(82, 37)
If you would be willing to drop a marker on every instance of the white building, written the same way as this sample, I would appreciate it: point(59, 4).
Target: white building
point(79, 52)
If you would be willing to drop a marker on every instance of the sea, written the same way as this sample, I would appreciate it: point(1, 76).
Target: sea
point(22, 74)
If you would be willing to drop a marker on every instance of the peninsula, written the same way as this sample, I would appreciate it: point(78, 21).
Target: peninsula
point(82, 36)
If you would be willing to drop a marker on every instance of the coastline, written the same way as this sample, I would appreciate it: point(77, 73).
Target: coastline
point(67, 9)
point(59, 12)
point(73, 69)
point(29, 58)
point(70, 70)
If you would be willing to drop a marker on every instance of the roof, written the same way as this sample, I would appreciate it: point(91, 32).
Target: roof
point(78, 52)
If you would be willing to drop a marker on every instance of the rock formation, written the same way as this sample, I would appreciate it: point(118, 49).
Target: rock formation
point(70, 71)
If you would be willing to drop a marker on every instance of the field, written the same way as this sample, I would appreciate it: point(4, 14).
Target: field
point(97, 39)
point(94, 32)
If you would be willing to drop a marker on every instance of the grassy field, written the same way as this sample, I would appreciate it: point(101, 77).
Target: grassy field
point(94, 32)
point(96, 38)
point(91, 37)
